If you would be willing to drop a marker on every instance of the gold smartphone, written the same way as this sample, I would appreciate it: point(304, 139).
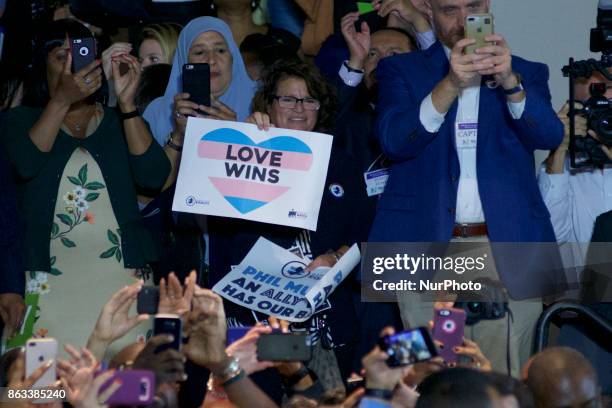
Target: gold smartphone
point(478, 26)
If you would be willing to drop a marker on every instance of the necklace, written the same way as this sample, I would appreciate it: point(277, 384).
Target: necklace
point(79, 128)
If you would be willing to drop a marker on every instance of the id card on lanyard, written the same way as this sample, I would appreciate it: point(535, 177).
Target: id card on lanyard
point(376, 180)
point(466, 135)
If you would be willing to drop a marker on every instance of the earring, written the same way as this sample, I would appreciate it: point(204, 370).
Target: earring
point(254, 5)
point(212, 6)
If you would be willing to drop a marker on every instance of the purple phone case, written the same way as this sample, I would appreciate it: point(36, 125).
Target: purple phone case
point(448, 329)
point(137, 387)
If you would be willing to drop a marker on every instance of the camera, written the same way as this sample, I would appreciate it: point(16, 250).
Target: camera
point(490, 303)
point(84, 51)
point(584, 150)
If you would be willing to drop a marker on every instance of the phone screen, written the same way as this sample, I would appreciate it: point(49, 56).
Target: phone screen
point(408, 347)
point(168, 324)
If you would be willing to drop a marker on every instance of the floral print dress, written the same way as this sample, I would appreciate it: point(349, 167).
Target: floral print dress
point(86, 262)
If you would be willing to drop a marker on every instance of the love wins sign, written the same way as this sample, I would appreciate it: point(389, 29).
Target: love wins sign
point(235, 170)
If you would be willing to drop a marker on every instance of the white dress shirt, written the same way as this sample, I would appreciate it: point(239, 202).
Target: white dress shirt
point(575, 198)
point(469, 206)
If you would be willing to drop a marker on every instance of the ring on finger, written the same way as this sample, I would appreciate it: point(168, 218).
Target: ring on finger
point(87, 80)
point(178, 114)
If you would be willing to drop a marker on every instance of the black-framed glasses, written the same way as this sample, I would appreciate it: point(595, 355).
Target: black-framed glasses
point(290, 102)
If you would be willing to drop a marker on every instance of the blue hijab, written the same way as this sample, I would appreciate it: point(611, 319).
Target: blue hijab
point(238, 95)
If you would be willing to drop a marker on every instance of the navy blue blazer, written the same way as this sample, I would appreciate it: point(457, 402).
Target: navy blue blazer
point(419, 202)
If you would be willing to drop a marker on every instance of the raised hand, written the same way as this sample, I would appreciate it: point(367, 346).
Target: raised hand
point(172, 298)
point(77, 373)
point(464, 71)
point(76, 87)
point(126, 85)
point(18, 381)
point(207, 329)
point(262, 120)
point(405, 14)
point(358, 42)
point(472, 350)
point(218, 110)
point(497, 61)
point(183, 108)
point(245, 350)
point(114, 320)
point(87, 394)
point(114, 50)
point(378, 374)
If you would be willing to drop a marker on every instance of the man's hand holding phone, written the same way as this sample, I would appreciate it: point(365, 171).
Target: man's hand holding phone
point(497, 61)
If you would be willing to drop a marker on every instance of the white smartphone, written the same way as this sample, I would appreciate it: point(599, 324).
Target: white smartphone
point(37, 353)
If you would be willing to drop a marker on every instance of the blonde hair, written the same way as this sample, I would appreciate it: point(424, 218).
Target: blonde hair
point(166, 34)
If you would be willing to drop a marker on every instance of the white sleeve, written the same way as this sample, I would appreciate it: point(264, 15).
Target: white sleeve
point(430, 118)
point(517, 108)
point(350, 78)
point(555, 192)
point(426, 39)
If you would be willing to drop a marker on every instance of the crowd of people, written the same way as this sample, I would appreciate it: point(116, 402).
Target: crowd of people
point(89, 160)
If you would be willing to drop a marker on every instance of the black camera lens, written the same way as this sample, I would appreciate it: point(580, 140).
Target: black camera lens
point(475, 307)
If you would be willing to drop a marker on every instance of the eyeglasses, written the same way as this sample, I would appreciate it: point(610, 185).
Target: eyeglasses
point(290, 102)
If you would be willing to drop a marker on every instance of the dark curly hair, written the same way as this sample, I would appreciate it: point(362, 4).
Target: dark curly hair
point(317, 85)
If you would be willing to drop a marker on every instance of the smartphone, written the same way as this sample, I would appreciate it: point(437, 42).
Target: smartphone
point(147, 300)
point(364, 7)
point(478, 26)
point(408, 347)
point(137, 387)
point(83, 52)
point(37, 353)
point(236, 333)
point(196, 82)
point(168, 324)
point(449, 325)
point(284, 347)
point(353, 383)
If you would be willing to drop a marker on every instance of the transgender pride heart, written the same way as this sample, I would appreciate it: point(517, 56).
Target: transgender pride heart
point(253, 168)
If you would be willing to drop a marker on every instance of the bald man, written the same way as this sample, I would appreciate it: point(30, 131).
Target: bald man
point(562, 377)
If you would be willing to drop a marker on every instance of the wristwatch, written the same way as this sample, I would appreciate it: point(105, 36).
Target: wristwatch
point(516, 89)
point(170, 143)
point(346, 65)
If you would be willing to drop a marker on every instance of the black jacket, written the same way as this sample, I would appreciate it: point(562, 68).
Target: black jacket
point(342, 220)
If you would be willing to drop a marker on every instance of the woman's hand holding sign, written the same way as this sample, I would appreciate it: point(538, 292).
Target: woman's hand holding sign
point(262, 120)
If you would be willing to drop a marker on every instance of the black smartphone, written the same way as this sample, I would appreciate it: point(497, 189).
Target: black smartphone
point(147, 300)
point(168, 324)
point(83, 52)
point(284, 347)
point(408, 347)
point(353, 383)
point(196, 82)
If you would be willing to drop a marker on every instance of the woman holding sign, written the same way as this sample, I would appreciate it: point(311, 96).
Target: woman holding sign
point(295, 96)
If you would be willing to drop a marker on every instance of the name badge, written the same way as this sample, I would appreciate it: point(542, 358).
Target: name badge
point(376, 181)
point(466, 135)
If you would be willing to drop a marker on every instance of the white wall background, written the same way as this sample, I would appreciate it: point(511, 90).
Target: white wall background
point(548, 31)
